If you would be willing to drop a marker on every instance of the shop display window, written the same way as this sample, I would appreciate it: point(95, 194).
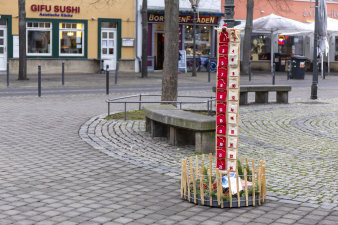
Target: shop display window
point(203, 40)
point(260, 47)
point(71, 39)
point(39, 36)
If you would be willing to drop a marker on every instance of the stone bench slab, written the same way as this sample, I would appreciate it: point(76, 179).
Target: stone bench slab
point(181, 127)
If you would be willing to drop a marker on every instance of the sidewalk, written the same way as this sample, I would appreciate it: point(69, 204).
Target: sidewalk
point(301, 89)
point(49, 175)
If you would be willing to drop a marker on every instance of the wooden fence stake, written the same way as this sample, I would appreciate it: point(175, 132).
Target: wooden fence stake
point(246, 188)
point(217, 185)
point(230, 193)
point(191, 164)
point(253, 183)
point(194, 184)
point(237, 184)
point(188, 183)
point(247, 163)
point(262, 180)
point(202, 186)
point(182, 178)
point(210, 162)
point(196, 167)
point(203, 157)
point(210, 186)
point(259, 186)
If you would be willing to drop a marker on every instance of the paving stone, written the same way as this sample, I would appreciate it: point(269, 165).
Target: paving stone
point(285, 220)
point(59, 178)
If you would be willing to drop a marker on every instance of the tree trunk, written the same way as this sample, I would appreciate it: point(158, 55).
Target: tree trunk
point(22, 41)
point(170, 68)
point(247, 37)
point(144, 39)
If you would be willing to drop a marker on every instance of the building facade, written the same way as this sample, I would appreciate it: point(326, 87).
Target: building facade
point(300, 10)
point(87, 35)
point(210, 14)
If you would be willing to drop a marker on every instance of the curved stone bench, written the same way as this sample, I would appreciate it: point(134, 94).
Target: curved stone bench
point(181, 127)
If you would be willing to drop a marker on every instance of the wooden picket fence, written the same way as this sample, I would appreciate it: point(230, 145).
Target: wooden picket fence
point(202, 185)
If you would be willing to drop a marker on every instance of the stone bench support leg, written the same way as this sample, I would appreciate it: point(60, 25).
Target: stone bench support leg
point(156, 129)
point(282, 97)
point(243, 98)
point(205, 142)
point(179, 136)
point(261, 97)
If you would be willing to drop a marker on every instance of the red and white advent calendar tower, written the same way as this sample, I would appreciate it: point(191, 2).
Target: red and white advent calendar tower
point(227, 98)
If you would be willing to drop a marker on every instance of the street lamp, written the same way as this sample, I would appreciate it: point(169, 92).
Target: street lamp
point(194, 5)
point(229, 12)
point(314, 85)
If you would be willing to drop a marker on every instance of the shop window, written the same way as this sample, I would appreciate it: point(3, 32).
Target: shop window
point(293, 45)
point(71, 39)
point(336, 52)
point(39, 36)
point(203, 40)
point(260, 47)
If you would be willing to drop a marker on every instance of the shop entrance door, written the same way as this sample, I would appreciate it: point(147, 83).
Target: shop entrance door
point(159, 51)
point(108, 48)
point(3, 48)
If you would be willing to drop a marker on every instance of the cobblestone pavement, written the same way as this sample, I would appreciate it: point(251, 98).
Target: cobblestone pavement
point(48, 175)
point(298, 141)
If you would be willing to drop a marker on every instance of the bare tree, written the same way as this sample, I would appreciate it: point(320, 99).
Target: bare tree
point(144, 39)
point(247, 37)
point(280, 5)
point(22, 41)
point(170, 69)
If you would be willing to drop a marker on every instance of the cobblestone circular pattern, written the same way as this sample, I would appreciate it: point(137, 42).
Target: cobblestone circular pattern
point(298, 141)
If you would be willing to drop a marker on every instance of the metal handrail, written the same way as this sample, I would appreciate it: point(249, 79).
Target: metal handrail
point(140, 101)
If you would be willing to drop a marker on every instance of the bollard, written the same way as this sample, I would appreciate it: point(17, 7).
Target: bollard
point(7, 74)
point(289, 69)
point(274, 74)
point(39, 80)
point(63, 73)
point(209, 68)
point(116, 72)
point(249, 70)
point(107, 80)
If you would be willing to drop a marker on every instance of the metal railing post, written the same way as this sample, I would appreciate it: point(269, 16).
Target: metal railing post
point(107, 80)
point(289, 70)
point(125, 111)
point(63, 73)
point(180, 105)
point(7, 74)
point(209, 67)
point(39, 80)
point(249, 70)
point(210, 104)
point(116, 71)
point(208, 107)
point(139, 106)
point(274, 74)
